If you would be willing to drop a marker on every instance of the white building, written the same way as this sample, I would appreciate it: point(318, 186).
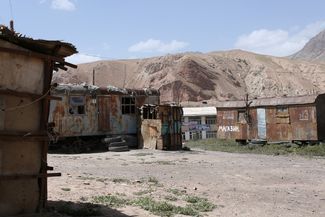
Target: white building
point(199, 123)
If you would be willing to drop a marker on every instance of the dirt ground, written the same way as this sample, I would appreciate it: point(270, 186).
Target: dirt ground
point(238, 184)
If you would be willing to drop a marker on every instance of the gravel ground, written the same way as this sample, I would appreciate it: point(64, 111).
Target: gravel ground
point(238, 184)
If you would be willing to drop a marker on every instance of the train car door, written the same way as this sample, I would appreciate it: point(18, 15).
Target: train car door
point(103, 113)
point(261, 124)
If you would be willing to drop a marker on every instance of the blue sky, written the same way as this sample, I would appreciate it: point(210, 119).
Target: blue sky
point(122, 29)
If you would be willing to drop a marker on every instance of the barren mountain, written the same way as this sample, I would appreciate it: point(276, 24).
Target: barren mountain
point(314, 50)
point(211, 76)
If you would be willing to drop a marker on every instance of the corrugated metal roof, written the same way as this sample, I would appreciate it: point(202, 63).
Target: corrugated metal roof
point(292, 100)
point(230, 104)
point(199, 111)
point(296, 100)
point(92, 89)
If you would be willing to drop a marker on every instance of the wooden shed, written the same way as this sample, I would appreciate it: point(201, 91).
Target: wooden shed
point(299, 118)
point(161, 127)
point(25, 78)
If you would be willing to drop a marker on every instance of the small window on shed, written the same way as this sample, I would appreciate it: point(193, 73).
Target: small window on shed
point(128, 105)
point(282, 110)
point(241, 117)
point(282, 115)
point(77, 105)
point(149, 112)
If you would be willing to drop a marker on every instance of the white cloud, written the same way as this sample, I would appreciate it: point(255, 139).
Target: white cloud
point(66, 5)
point(154, 45)
point(279, 42)
point(82, 58)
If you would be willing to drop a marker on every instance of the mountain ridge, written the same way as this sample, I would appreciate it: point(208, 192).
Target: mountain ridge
point(196, 77)
point(314, 50)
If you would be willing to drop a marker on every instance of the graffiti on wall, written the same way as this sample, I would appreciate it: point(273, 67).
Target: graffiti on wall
point(304, 116)
point(194, 126)
point(228, 128)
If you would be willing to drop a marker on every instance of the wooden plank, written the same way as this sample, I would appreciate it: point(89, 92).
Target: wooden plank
point(10, 136)
point(48, 73)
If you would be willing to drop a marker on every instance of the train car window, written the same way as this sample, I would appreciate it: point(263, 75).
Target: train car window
point(241, 117)
point(77, 105)
point(128, 105)
point(149, 113)
point(282, 110)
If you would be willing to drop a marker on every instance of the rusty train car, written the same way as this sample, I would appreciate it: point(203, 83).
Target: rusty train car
point(91, 112)
point(286, 119)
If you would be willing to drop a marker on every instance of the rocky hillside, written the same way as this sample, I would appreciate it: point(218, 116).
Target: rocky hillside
point(211, 76)
point(314, 50)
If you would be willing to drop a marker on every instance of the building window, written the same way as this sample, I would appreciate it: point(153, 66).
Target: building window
point(211, 134)
point(77, 105)
point(281, 110)
point(211, 120)
point(195, 135)
point(149, 112)
point(183, 136)
point(241, 117)
point(197, 120)
point(128, 105)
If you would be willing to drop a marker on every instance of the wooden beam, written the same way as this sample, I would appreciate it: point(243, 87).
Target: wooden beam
point(48, 73)
point(38, 55)
point(28, 136)
point(28, 176)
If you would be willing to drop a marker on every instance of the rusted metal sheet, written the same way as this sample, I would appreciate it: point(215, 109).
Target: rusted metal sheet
point(228, 125)
point(161, 127)
point(299, 124)
point(151, 134)
point(68, 123)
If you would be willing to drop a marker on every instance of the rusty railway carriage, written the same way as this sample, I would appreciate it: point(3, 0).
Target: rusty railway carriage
point(25, 78)
point(297, 119)
point(91, 112)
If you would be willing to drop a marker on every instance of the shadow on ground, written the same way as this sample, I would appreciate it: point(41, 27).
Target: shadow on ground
point(68, 208)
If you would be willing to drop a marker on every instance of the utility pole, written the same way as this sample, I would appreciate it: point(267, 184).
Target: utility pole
point(94, 77)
